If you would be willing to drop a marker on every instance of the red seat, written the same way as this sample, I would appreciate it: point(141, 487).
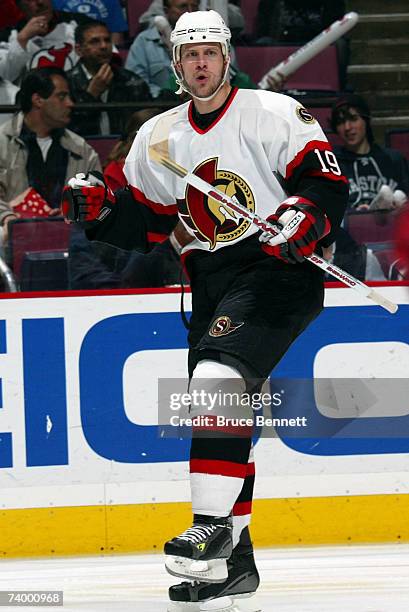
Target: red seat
point(135, 8)
point(103, 145)
point(35, 236)
point(391, 265)
point(370, 227)
point(320, 73)
point(399, 140)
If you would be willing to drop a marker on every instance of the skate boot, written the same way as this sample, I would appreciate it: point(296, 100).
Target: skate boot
point(230, 596)
point(200, 552)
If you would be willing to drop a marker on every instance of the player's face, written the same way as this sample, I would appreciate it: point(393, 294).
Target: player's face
point(35, 8)
point(203, 67)
point(96, 48)
point(56, 109)
point(352, 129)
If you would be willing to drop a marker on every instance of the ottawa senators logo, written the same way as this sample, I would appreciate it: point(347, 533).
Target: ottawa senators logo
point(223, 326)
point(304, 115)
point(212, 221)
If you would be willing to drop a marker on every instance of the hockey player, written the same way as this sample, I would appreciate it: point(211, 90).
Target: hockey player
point(252, 294)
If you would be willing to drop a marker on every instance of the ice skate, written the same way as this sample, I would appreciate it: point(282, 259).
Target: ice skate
point(233, 595)
point(200, 552)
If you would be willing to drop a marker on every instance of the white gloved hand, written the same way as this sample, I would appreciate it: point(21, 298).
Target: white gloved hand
point(399, 198)
point(85, 180)
point(383, 200)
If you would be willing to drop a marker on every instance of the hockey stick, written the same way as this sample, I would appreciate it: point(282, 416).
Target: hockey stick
point(305, 53)
point(159, 152)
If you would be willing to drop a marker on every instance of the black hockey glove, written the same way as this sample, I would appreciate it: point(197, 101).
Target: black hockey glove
point(87, 199)
point(301, 225)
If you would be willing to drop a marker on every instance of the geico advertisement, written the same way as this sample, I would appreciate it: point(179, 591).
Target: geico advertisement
point(79, 387)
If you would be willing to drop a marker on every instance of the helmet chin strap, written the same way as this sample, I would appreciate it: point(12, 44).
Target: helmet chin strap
point(183, 86)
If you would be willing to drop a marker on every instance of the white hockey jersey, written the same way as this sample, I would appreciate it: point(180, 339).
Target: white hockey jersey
point(259, 139)
point(56, 48)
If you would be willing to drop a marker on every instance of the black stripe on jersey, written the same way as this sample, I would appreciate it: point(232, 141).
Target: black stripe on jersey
point(246, 493)
point(313, 174)
point(236, 450)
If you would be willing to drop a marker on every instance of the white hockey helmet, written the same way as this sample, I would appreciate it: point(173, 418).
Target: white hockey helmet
point(200, 27)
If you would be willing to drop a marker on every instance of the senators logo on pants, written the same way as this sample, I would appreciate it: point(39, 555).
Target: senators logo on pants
point(223, 326)
point(211, 221)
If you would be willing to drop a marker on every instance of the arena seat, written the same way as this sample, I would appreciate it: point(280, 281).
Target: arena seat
point(370, 227)
point(320, 73)
point(391, 265)
point(398, 139)
point(102, 145)
point(39, 246)
point(134, 9)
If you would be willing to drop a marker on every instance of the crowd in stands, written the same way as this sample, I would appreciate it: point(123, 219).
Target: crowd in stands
point(61, 61)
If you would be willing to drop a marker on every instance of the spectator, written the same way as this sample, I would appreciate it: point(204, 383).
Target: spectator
point(8, 93)
point(10, 14)
point(113, 171)
point(378, 177)
point(148, 56)
point(96, 77)
point(235, 19)
point(42, 38)
point(107, 11)
point(36, 149)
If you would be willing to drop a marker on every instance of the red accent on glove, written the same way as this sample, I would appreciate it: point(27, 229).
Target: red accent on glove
point(302, 243)
point(85, 204)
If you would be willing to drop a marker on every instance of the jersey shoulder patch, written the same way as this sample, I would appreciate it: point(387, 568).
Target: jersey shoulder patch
point(304, 116)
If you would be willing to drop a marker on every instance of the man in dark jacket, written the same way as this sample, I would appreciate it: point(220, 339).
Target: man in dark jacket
point(97, 78)
point(378, 177)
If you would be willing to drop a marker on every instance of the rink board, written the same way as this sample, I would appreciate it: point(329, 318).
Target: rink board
point(83, 470)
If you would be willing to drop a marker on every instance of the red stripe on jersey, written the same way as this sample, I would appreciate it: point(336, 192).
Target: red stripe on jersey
point(310, 146)
point(242, 508)
point(251, 469)
point(221, 468)
point(154, 237)
point(224, 111)
point(160, 209)
point(328, 175)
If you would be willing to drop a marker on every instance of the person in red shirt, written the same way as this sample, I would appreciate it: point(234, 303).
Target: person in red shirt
point(10, 14)
point(113, 168)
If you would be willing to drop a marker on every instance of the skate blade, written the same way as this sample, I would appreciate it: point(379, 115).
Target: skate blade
point(204, 571)
point(222, 604)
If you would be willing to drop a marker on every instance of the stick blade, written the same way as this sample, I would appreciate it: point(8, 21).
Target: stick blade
point(160, 133)
point(382, 301)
